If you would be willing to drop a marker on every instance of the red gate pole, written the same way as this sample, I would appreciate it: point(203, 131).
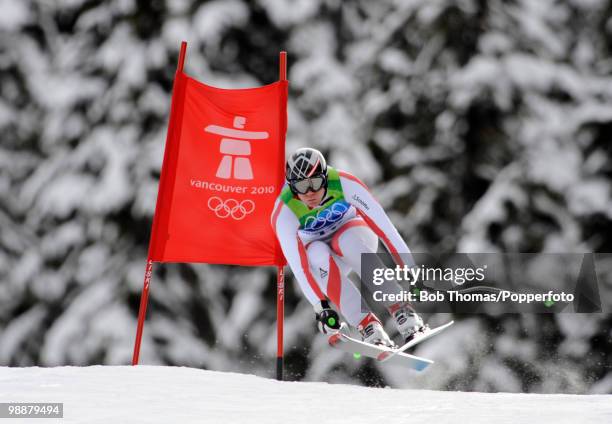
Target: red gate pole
point(283, 66)
point(280, 275)
point(144, 297)
point(280, 317)
point(142, 311)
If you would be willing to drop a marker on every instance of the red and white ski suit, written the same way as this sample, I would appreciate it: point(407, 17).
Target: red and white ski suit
point(321, 266)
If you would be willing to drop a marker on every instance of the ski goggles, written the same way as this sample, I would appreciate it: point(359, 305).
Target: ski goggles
point(304, 186)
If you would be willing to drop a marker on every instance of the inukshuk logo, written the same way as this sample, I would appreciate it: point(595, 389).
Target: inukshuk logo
point(236, 149)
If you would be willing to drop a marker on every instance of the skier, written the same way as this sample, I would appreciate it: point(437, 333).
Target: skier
point(324, 220)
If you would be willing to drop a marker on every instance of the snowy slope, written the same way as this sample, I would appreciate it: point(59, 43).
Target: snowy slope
point(151, 394)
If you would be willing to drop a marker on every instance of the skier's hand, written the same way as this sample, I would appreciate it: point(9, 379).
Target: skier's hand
point(328, 320)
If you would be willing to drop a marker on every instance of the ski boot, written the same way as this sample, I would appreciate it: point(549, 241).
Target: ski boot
point(372, 332)
point(408, 323)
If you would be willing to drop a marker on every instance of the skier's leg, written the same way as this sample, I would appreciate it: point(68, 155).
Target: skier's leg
point(355, 238)
point(333, 280)
point(345, 269)
point(332, 276)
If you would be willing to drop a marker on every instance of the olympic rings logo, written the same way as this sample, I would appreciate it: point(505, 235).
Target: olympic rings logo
point(231, 207)
point(326, 216)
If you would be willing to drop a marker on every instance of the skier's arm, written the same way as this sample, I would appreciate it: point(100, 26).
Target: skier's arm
point(358, 194)
point(285, 224)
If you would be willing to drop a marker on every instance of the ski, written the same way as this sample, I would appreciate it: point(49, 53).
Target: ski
point(358, 348)
point(386, 356)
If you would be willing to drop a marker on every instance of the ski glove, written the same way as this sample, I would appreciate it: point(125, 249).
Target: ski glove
point(328, 320)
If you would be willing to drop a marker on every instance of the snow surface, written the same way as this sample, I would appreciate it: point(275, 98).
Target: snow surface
point(154, 394)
